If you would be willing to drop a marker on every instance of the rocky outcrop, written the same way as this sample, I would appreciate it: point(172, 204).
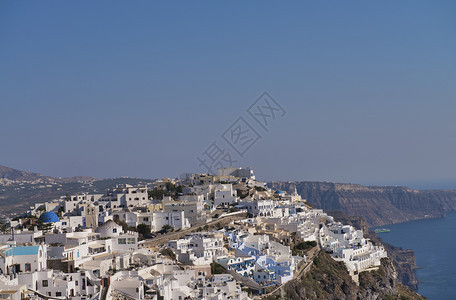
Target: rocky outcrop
point(378, 205)
point(405, 263)
point(379, 283)
point(328, 279)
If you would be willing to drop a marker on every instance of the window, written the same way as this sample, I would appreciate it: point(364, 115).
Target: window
point(58, 294)
point(114, 230)
point(76, 282)
point(44, 283)
point(28, 267)
point(131, 241)
point(122, 241)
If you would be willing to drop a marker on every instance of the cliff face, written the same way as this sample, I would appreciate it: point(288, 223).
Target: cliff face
point(328, 279)
point(377, 205)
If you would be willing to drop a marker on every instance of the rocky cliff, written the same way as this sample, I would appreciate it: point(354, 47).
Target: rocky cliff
point(377, 205)
point(328, 279)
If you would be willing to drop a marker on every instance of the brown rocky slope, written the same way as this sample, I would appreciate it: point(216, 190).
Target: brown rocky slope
point(328, 279)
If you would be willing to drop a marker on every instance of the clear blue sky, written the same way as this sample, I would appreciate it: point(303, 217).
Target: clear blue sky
point(140, 88)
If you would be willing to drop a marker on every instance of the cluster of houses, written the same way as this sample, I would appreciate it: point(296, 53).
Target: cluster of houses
point(104, 246)
point(348, 245)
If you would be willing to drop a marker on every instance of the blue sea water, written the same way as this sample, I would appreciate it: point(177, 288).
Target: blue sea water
point(434, 243)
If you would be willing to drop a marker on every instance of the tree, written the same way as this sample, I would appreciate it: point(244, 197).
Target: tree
point(4, 228)
point(45, 227)
point(124, 225)
point(156, 194)
point(179, 189)
point(60, 211)
point(169, 253)
point(166, 228)
point(170, 187)
point(293, 236)
point(305, 245)
point(143, 229)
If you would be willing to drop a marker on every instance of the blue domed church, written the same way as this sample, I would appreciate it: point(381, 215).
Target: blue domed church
point(49, 217)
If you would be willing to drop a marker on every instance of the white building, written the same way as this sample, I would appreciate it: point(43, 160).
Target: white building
point(264, 208)
point(224, 194)
point(18, 259)
point(21, 236)
point(348, 245)
point(126, 284)
point(109, 229)
point(199, 248)
point(193, 210)
point(126, 196)
point(236, 172)
point(72, 203)
point(175, 219)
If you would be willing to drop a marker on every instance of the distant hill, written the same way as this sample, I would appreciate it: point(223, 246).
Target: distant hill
point(377, 205)
point(10, 174)
point(19, 189)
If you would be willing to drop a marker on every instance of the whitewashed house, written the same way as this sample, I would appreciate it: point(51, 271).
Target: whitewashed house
point(199, 248)
point(225, 195)
point(18, 259)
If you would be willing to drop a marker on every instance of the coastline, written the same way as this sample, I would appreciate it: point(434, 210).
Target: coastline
point(426, 217)
point(434, 272)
